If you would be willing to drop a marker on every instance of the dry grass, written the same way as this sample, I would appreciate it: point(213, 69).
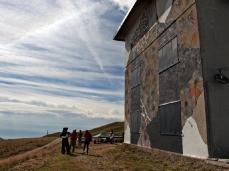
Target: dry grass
point(14, 147)
point(108, 157)
point(16, 151)
point(8, 163)
point(114, 157)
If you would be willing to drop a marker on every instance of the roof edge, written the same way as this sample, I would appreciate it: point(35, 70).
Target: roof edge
point(116, 36)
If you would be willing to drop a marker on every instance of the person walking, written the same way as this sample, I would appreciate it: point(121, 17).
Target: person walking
point(65, 144)
point(80, 135)
point(73, 138)
point(87, 140)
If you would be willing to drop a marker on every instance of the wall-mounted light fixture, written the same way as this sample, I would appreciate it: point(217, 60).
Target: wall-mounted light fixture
point(220, 77)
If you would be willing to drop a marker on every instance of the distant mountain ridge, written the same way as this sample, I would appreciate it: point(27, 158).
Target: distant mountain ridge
point(117, 127)
point(1, 138)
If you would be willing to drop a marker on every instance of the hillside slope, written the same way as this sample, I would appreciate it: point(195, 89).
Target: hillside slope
point(117, 127)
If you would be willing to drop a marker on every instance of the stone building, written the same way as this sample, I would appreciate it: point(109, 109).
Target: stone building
point(172, 101)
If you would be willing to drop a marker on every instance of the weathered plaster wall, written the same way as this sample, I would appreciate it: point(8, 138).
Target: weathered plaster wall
point(127, 132)
point(213, 17)
point(195, 138)
point(199, 115)
point(142, 25)
point(193, 144)
point(128, 39)
point(182, 81)
point(163, 9)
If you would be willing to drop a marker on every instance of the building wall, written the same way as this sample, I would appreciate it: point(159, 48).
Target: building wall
point(128, 39)
point(133, 31)
point(213, 19)
point(181, 82)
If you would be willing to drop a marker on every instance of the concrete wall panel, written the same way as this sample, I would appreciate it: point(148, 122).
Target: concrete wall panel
point(218, 96)
point(213, 17)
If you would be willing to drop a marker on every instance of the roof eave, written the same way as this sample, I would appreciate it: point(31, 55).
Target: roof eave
point(129, 19)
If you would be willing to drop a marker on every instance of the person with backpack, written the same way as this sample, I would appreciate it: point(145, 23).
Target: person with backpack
point(87, 140)
point(65, 144)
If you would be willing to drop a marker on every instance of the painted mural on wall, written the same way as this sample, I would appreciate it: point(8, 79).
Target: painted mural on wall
point(180, 82)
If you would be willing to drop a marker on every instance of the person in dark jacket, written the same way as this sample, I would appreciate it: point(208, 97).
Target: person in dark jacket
point(73, 138)
point(65, 145)
point(87, 140)
point(80, 135)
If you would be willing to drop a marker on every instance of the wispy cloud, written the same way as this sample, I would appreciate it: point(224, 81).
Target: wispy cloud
point(123, 4)
point(58, 58)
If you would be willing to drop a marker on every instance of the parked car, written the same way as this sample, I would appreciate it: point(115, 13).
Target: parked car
point(82, 139)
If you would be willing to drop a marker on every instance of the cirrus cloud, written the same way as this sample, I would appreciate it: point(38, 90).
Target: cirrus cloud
point(59, 64)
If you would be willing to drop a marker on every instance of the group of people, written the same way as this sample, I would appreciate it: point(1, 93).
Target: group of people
point(65, 135)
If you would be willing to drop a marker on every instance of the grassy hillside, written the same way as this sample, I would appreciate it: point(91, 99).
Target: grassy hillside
point(18, 146)
point(117, 127)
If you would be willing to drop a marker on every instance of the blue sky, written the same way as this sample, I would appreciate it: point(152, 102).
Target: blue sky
point(59, 65)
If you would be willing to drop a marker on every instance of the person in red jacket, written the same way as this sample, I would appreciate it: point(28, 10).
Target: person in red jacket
point(87, 140)
point(73, 138)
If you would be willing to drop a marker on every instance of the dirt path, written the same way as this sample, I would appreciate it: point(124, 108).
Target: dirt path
point(54, 142)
